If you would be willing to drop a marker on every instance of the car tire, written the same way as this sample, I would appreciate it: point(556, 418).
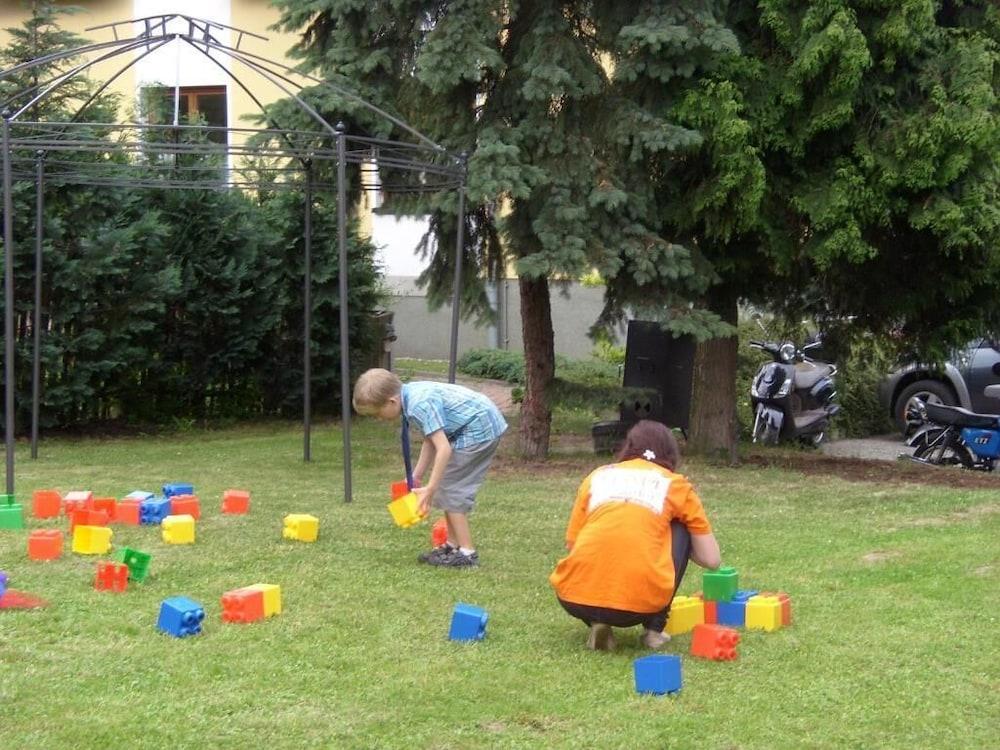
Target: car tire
point(928, 391)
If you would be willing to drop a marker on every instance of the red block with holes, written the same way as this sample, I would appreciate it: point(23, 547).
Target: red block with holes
point(127, 512)
point(45, 544)
point(75, 501)
point(108, 504)
point(46, 503)
point(786, 606)
point(87, 518)
point(711, 610)
point(111, 576)
point(714, 642)
point(398, 489)
point(439, 533)
point(243, 605)
point(235, 501)
point(185, 504)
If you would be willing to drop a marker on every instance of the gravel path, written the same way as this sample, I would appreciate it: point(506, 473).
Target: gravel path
point(880, 448)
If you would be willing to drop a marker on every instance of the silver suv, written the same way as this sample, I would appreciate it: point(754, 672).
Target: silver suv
point(961, 381)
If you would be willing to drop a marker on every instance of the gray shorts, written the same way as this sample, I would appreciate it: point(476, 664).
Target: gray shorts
point(463, 476)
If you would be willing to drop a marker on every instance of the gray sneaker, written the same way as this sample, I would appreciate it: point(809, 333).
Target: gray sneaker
point(457, 559)
point(436, 554)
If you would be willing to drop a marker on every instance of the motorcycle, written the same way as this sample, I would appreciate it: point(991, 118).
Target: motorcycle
point(953, 436)
point(793, 395)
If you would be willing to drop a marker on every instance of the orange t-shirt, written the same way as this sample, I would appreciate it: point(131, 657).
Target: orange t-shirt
point(620, 535)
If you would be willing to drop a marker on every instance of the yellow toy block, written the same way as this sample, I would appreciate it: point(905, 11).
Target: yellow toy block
point(301, 526)
point(763, 613)
point(178, 529)
point(91, 540)
point(685, 613)
point(406, 510)
point(272, 597)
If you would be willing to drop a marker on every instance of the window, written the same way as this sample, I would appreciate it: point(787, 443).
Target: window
point(203, 104)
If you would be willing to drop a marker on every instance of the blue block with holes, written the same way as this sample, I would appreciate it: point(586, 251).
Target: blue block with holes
point(658, 674)
point(468, 623)
point(154, 511)
point(180, 616)
point(177, 488)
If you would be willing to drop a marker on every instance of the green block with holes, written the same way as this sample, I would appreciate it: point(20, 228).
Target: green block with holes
point(6, 500)
point(720, 585)
point(11, 516)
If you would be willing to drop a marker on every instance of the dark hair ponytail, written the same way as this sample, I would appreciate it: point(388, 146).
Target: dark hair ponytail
point(647, 435)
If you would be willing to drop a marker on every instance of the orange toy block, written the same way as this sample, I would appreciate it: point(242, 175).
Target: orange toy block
point(45, 544)
point(786, 606)
point(243, 605)
point(439, 533)
point(46, 503)
point(78, 500)
point(111, 576)
point(108, 504)
point(711, 610)
point(185, 505)
point(127, 512)
point(235, 501)
point(398, 489)
point(714, 642)
point(87, 518)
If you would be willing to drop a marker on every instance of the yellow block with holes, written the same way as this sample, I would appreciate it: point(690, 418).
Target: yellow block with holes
point(763, 613)
point(685, 613)
point(92, 540)
point(405, 510)
point(272, 597)
point(178, 529)
point(301, 526)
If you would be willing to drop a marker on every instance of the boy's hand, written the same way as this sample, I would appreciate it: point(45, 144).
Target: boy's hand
point(424, 494)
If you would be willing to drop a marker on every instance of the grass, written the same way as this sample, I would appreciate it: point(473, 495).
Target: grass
point(894, 591)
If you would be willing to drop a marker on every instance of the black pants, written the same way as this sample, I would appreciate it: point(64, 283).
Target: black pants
point(620, 618)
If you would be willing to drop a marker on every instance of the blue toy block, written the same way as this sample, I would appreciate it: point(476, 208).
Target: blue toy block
point(734, 613)
point(140, 495)
point(154, 511)
point(658, 674)
point(468, 623)
point(177, 488)
point(3, 583)
point(180, 616)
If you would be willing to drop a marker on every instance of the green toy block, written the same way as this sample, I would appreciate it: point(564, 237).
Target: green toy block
point(136, 561)
point(720, 585)
point(6, 499)
point(11, 516)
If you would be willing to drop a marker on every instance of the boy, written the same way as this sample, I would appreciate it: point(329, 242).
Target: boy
point(461, 431)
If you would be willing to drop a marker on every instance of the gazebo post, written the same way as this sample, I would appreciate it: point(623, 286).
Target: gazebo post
point(345, 366)
point(307, 317)
point(8, 301)
point(456, 294)
point(36, 365)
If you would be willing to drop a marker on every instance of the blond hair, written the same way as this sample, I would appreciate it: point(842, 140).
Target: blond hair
point(374, 389)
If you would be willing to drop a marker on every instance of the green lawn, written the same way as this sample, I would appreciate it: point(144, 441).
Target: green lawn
point(895, 592)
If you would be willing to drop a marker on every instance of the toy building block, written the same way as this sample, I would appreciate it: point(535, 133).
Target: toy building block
point(92, 540)
point(734, 612)
point(272, 597)
point(46, 504)
point(658, 674)
point(398, 489)
point(137, 563)
point(711, 609)
point(129, 512)
point(107, 504)
point(177, 488)
point(720, 585)
point(181, 505)
point(243, 605)
point(78, 500)
point(87, 517)
point(786, 606)
point(714, 642)
point(111, 576)
point(152, 512)
point(11, 516)
point(301, 526)
point(180, 616)
point(139, 495)
point(178, 529)
point(7, 500)
point(45, 544)
point(685, 613)
point(468, 623)
point(764, 613)
point(235, 501)
point(3, 582)
point(439, 533)
point(405, 510)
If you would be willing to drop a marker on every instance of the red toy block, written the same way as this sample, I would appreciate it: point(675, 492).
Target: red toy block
point(235, 501)
point(711, 610)
point(714, 642)
point(439, 533)
point(243, 605)
point(111, 576)
point(127, 512)
point(108, 504)
point(46, 503)
point(81, 501)
point(786, 606)
point(398, 489)
point(185, 505)
point(45, 544)
point(87, 518)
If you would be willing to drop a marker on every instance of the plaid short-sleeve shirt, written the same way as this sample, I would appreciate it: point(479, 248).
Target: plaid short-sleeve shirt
point(468, 418)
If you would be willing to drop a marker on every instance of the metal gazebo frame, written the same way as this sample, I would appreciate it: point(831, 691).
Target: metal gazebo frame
point(150, 156)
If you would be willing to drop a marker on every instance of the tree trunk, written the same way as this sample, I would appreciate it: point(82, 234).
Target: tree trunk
point(713, 400)
point(539, 366)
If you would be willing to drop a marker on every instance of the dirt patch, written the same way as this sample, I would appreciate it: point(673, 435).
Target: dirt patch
point(984, 570)
point(958, 516)
point(879, 556)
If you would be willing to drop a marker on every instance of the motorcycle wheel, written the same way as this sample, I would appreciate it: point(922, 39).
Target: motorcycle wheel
point(954, 454)
point(765, 433)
